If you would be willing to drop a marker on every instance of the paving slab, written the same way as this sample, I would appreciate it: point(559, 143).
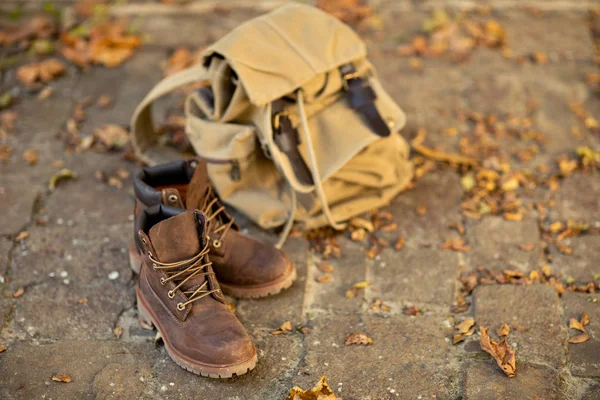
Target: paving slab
point(270, 380)
point(484, 380)
point(90, 364)
point(409, 357)
point(495, 242)
point(538, 331)
point(583, 264)
point(583, 357)
point(273, 311)
point(18, 194)
point(414, 276)
point(440, 193)
point(578, 199)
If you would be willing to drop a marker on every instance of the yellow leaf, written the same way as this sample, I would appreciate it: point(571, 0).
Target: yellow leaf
point(321, 391)
point(584, 337)
point(574, 324)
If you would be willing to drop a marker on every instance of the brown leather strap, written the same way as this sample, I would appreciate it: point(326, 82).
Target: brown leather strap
point(287, 139)
point(361, 97)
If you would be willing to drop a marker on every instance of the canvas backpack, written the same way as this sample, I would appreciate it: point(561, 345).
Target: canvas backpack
point(294, 124)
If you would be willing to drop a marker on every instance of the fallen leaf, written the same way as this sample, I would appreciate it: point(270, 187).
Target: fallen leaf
point(399, 245)
point(283, 329)
point(585, 318)
point(458, 337)
point(112, 136)
point(45, 93)
point(465, 326)
point(502, 353)
point(413, 310)
point(574, 324)
point(62, 378)
point(353, 290)
point(584, 337)
point(321, 391)
point(2, 348)
point(61, 175)
point(44, 71)
point(358, 235)
point(118, 331)
point(5, 152)
point(30, 156)
point(504, 330)
point(455, 244)
point(527, 246)
point(325, 268)
point(20, 291)
point(389, 227)
point(358, 339)
point(323, 278)
point(82, 300)
point(421, 210)
point(22, 235)
point(104, 101)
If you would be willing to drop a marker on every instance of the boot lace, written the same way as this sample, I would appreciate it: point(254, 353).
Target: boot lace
point(196, 268)
point(216, 217)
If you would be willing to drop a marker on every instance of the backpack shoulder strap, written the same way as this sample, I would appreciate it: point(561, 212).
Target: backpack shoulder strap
point(143, 134)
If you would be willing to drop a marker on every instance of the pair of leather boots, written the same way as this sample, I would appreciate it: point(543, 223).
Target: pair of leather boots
point(189, 252)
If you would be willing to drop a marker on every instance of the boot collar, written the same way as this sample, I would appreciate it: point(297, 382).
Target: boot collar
point(148, 178)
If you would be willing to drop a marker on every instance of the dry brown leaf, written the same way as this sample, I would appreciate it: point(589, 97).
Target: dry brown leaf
point(389, 227)
point(504, 330)
point(502, 353)
point(417, 144)
point(104, 101)
point(22, 235)
point(321, 391)
point(456, 244)
point(465, 326)
point(421, 210)
point(574, 324)
point(118, 331)
point(283, 329)
point(62, 378)
point(82, 300)
point(358, 338)
point(353, 290)
point(458, 337)
point(20, 291)
point(5, 152)
point(323, 278)
point(325, 268)
point(30, 156)
point(413, 310)
point(3, 348)
point(358, 235)
point(112, 136)
point(527, 246)
point(584, 337)
point(44, 71)
point(45, 93)
point(585, 318)
point(510, 216)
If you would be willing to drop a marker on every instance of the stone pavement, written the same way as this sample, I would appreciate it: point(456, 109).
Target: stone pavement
point(66, 317)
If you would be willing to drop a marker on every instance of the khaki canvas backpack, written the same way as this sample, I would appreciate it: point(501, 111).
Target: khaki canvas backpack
point(294, 123)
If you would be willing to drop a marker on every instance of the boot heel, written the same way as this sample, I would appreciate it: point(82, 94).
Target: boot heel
point(144, 317)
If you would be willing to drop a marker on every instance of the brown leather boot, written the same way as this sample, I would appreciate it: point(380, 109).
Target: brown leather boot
point(244, 266)
point(179, 295)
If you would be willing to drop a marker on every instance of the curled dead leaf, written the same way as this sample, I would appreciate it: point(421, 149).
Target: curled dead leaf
point(455, 244)
point(502, 353)
point(20, 291)
point(62, 378)
point(325, 268)
point(118, 331)
point(575, 324)
point(465, 326)
point(3, 348)
point(527, 246)
point(584, 337)
point(283, 329)
point(323, 278)
point(358, 339)
point(112, 136)
point(61, 175)
point(585, 318)
point(399, 245)
point(504, 330)
point(321, 391)
point(21, 236)
point(413, 310)
point(30, 156)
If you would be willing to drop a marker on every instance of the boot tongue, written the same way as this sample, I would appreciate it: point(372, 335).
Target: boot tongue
point(176, 238)
point(198, 186)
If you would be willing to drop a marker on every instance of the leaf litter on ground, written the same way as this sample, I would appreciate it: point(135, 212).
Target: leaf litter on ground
point(502, 353)
point(321, 391)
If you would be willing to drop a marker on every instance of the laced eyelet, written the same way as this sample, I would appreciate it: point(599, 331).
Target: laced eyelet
point(193, 164)
point(171, 294)
point(154, 266)
point(173, 198)
point(150, 254)
point(162, 281)
point(180, 306)
point(216, 243)
point(144, 240)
